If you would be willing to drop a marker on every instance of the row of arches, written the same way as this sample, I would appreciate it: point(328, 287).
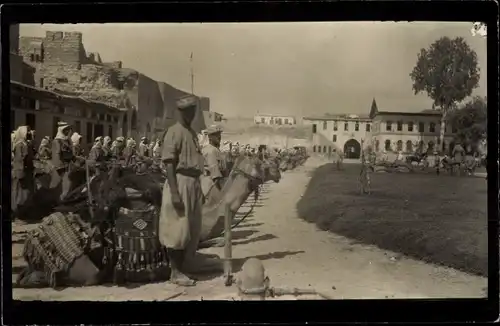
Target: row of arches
point(409, 146)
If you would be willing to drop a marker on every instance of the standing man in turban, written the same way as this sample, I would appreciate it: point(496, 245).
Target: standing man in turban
point(23, 184)
point(180, 216)
point(62, 157)
point(144, 148)
point(212, 157)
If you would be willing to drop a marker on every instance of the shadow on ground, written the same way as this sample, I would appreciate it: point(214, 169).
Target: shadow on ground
point(263, 237)
point(437, 219)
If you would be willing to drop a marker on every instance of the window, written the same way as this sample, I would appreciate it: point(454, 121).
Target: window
point(32, 57)
point(356, 126)
point(325, 125)
point(432, 127)
point(400, 145)
point(454, 129)
point(346, 126)
point(410, 126)
point(89, 133)
point(78, 126)
point(115, 119)
point(445, 127)
point(387, 145)
point(98, 130)
point(93, 116)
point(409, 146)
point(388, 126)
point(335, 126)
point(60, 109)
point(280, 122)
point(377, 145)
point(368, 127)
point(421, 127)
point(324, 149)
point(319, 149)
point(37, 58)
point(329, 149)
point(286, 121)
point(314, 128)
point(55, 121)
point(102, 117)
point(31, 120)
point(314, 148)
point(400, 126)
point(108, 118)
point(263, 120)
point(41, 82)
point(334, 138)
point(110, 131)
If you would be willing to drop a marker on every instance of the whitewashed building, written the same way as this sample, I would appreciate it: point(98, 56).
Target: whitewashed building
point(271, 119)
point(382, 130)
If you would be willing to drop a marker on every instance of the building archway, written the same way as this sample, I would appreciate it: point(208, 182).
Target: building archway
point(352, 149)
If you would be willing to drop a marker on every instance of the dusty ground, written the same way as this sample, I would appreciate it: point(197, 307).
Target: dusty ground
point(296, 254)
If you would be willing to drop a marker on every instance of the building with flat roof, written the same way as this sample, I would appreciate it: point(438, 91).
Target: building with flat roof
point(274, 119)
point(382, 130)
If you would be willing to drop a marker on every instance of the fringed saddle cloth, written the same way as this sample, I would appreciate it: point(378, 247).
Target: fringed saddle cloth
point(140, 257)
point(56, 244)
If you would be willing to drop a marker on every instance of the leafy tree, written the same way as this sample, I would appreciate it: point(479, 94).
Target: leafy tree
point(471, 121)
point(448, 72)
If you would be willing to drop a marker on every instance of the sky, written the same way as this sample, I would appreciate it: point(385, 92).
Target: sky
point(301, 69)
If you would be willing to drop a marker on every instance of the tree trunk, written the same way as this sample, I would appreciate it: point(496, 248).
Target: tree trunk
point(441, 130)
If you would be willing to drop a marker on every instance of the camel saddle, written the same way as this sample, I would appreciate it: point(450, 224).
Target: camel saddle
point(55, 246)
point(140, 257)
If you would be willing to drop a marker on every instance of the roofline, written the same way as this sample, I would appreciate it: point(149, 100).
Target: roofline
point(409, 113)
point(332, 118)
point(274, 115)
point(63, 96)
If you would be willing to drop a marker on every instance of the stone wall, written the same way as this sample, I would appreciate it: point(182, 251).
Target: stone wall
point(64, 48)
point(62, 65)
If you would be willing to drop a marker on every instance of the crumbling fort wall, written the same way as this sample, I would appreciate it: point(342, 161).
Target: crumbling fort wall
point(62, 64)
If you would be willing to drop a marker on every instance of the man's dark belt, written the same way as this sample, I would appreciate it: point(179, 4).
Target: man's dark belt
point(189, 172)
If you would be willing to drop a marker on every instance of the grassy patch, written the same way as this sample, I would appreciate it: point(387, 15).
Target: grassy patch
point(439, 219)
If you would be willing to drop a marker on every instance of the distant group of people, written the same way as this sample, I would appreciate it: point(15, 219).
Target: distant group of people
point(60, 155)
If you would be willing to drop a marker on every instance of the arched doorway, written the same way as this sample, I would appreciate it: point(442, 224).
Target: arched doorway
point(352, 149)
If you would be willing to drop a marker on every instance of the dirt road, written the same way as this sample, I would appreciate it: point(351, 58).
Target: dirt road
point(297, 254)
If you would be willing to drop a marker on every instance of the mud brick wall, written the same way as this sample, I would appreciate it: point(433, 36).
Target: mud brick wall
point(64, 47)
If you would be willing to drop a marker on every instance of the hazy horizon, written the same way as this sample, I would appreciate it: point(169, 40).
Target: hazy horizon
point(279, 68)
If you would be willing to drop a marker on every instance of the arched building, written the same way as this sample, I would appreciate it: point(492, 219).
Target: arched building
point(382, 130)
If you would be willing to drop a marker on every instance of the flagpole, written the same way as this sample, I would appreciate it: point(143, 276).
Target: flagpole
point(192, 73)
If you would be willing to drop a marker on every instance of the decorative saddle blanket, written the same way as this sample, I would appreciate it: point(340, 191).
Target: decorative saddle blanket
point(140, 257)
point(57, 243)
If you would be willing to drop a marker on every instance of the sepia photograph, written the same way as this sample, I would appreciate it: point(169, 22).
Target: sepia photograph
point(249, 161)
